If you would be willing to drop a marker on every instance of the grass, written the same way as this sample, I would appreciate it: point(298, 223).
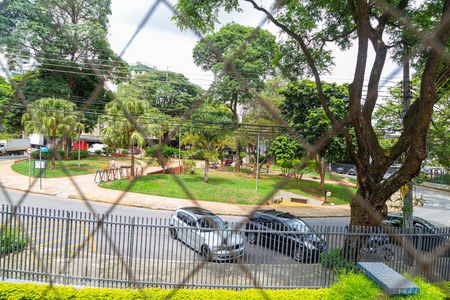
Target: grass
point(87, 166)
point(228, 187)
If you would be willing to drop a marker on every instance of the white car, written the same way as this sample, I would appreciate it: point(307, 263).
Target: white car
point(206, 233)
point(96, 147)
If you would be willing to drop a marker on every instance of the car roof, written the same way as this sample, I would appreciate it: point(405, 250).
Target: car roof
point(276, 214)
point(198, 211)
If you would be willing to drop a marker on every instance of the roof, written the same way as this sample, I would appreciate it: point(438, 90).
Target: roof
point(198, 211)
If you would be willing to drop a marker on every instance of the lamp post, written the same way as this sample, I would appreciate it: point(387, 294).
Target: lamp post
point(257, 162)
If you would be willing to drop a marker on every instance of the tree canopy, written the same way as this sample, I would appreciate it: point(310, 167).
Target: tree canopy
point(170, 92)
point(314, 26)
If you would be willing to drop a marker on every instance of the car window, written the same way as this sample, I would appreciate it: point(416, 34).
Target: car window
point(297, 225)
point(210, 223)
point(187, 219)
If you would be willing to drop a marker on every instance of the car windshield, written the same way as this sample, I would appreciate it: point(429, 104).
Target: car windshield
point(210, 223)
point(297, 225)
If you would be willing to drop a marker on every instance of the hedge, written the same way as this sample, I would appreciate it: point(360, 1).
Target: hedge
point(26, 291)
point(351, 286)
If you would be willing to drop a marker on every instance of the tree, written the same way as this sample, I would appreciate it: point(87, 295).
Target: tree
point(129, 122)
point(314, 25)
point(6, 92)
point(207, 136)
point(69, 42)
point(53, 117)
point(302, 110)
point(252, 53)
point(287, 152)
point(171, 93)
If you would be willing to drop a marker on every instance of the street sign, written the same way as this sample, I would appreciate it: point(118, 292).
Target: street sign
point(44, 149)
point(39, 164)
point(29, 150)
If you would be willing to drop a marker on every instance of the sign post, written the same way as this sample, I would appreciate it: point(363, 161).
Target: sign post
point(45, 150)
point(29, 151)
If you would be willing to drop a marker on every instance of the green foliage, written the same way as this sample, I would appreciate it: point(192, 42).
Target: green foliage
point(354, 286)
point(188, 166)
point(53, 117)
point(286, 151)
point(12, 239)
point(441, 179)
point(335, 261)
point(358, 286)
point(167, 91)
point(351, 286)
point(229, 187)
point(303, 111)
point(26, 291)
point(98, 152)
point(250, 51)
point(73, 154)
point(108, 150)
point(210, 138)
point(64, 37)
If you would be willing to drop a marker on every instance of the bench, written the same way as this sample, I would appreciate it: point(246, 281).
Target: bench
point(389, 280)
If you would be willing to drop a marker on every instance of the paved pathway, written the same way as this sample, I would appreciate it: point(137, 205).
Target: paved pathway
point(83, 187)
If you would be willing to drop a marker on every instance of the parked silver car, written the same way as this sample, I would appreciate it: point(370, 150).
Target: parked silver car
point(206, 233)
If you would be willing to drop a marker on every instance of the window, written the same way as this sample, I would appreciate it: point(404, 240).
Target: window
point(185, 218)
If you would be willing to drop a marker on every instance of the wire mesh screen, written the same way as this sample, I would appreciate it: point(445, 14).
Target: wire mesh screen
point(115, 251)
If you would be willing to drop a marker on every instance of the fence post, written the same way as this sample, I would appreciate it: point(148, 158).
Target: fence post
point(130, 248)
point(66, 245)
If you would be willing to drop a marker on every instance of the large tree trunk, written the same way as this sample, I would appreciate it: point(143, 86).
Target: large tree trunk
point(205, 178)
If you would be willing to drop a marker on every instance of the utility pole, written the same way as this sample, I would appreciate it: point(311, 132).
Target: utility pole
point(257, 162)
point(408, 200)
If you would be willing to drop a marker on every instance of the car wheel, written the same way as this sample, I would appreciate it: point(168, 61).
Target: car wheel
point(205, 252)
point(252, 237)
point(173, 233)
point(299, 255)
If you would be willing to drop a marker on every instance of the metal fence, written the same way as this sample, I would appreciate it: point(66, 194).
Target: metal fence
point(64, 247)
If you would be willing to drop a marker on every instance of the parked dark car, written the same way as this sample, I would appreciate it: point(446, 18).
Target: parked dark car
point(340, 170)
point(424, 236)
point(352, 172)
point(286, 233)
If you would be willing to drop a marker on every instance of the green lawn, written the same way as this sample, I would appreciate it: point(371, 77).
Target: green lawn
point(87, 166)
point(228, 187)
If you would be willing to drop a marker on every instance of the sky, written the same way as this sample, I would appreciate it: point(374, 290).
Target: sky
point(162, 44)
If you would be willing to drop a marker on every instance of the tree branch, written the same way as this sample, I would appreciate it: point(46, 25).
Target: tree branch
point(311, 63)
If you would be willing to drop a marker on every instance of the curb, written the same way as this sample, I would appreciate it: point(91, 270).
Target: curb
point(30, 192)
point(434, 186)
point(77, 197)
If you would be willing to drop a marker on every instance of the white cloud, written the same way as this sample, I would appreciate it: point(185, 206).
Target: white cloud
point(162, 44)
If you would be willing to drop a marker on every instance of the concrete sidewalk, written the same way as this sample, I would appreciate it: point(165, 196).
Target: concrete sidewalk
point(83, 187)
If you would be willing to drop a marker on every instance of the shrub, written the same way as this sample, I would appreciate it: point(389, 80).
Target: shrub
point(47, 155)
point(12, 240)
point(98, 152)
point(188, 166)
point(109, 150)
point(73, 154)
point(124, 151)
point(335, 261)
point(359, 286)
point(35, 291)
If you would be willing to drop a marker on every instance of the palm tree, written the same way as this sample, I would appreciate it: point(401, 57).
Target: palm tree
point(53, 117)
point(211, 137)
point(128, 124)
